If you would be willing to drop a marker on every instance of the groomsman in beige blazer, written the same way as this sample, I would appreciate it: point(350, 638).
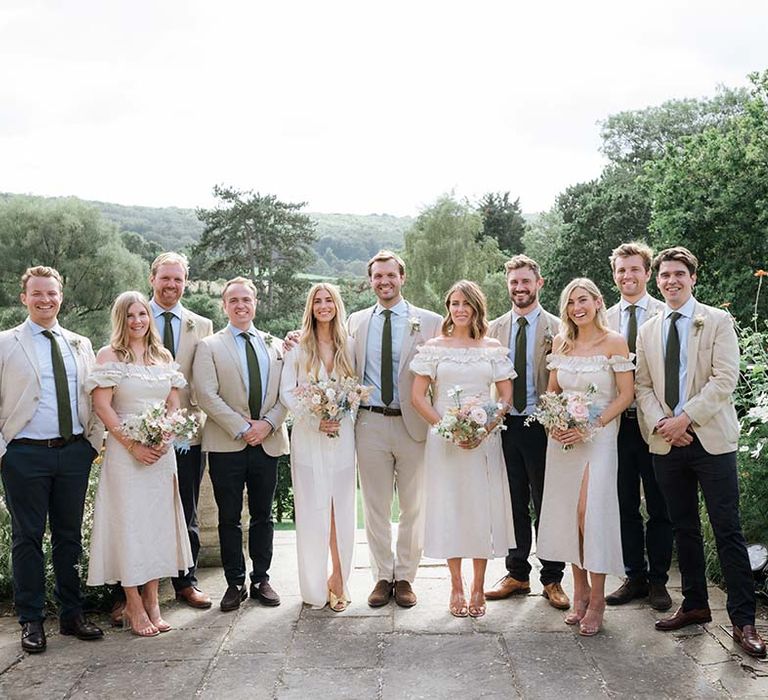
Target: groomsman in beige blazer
point(527, 330)
point(389, 433)
point(687, 371)
point(236, 378)
point(646, 578)
point(181, 331)
point(48, 440)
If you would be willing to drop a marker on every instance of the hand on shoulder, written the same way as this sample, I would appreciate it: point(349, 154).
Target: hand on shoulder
point(106, 354)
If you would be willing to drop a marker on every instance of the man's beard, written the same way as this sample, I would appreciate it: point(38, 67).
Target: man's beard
point(525, 303)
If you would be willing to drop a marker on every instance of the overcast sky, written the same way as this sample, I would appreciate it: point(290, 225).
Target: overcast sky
point(353, 106)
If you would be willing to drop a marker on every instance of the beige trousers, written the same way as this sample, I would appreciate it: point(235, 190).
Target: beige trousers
point(389, 458)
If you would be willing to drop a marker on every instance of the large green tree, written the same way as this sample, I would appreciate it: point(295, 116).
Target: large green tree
point(502, 220)
point(444, 246)
point(259, 237)
point(710, 193)
point(72, 237)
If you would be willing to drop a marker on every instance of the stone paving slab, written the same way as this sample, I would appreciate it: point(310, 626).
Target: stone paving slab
point(521, 648)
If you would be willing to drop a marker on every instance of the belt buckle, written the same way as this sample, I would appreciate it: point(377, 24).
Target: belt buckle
point(391, 411)
point(51, 442)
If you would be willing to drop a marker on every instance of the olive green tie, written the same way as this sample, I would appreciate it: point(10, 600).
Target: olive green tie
point(168, 339)
point(632, 328)
point(254, 377)
point(61, 382)
point(387, 387)
point(672, 363)
point(519, 387)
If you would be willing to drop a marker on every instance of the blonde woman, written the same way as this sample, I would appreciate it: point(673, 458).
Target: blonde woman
point(580, 506)
point(468, 508)
point(139, 532)
point(322, 454)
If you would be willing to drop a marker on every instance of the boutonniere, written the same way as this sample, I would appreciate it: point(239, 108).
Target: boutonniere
point(548, 337)
point(191, 324)
point(698, 323)
point(76, 343)
point(268, 340)
point(415, 323)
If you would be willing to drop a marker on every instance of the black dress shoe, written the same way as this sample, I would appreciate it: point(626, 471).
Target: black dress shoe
point(233, 597)
point(33, 637)
point(79, 627)
point(631, 589)
point(265, 594)
point(659, 597)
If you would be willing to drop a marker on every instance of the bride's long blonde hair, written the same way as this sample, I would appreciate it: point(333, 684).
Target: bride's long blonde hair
point(568, 329)
point(342, 363)
point(154, 352)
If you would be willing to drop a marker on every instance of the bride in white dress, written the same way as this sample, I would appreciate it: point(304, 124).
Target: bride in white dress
point(322, 467)
point(139, 533)
point(580, 506)
point(468, 512)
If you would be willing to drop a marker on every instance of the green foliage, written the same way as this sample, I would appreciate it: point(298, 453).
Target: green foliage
point(86, 250)
point(444, 246)
point(503, 221)
point(261, 238)
point(136, 243)
point(208, 306)
point(710, 193)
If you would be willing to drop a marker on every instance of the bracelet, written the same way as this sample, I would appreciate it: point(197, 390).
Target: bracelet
point(131, 445)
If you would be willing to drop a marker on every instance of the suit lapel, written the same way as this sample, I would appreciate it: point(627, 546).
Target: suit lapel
point(24, 336)
point(361, 340)
point(273, 378)
point(505, 329)
point(614, 318)
point(541, 348)
point(229, 343)
point(408, 341)
point(694, 337)
point(184, 335)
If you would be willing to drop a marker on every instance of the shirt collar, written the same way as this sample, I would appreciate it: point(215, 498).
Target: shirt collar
point(642, 303)
point(158, 310)
point(531, 316)
point(685, 310)
point(236, 331)
point(36, 329)
point(399, 309)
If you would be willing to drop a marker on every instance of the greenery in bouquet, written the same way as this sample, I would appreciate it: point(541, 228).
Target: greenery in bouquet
point(155, 427)
point(568, 410)
point(468, 420)
point(332, 399)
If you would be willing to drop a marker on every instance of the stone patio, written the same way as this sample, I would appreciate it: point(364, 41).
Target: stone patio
point(520, 649)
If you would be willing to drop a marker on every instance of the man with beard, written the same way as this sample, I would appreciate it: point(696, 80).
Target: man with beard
point(528, 330)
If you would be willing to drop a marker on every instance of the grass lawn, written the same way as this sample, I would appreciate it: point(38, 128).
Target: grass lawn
point(289, 524)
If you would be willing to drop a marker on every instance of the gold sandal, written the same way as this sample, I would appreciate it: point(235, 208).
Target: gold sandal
point(337, 604)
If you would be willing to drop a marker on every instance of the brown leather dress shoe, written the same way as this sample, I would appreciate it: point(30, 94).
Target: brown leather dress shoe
point(683, 618)
point(556, 596)
point(265, 594)
point(631, 589)
point(658, 596)
point(381, 593)
point(749, 640)
point(404, 595)
point(507, 587)
point(194, 597)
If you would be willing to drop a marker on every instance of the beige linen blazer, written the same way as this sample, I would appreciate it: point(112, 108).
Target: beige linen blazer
point(20, 383)
point(546, 329)
point(428, 327)
point(713, 371)
point(220, 388)
point(193, 329)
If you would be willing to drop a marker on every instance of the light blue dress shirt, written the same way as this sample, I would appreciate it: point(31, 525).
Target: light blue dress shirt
point(45, 422)
point(530, 345)
point(683, 330)
point(641, 312)
point(372, 377)
point(158, 312)
point(261, 354)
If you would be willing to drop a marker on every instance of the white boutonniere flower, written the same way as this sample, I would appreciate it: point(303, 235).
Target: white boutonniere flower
point(268, 340)
point(76, 343)
point(191, 324)
point(548, 337)
point(415, 323)
point(698, 323)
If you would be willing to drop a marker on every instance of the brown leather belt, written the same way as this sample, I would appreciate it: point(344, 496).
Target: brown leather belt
point(383, 410)
point(53, 442)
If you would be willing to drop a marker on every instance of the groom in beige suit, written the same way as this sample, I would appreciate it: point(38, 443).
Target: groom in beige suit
point(389, 433)
point(237, 377)
point(49, 438)
point(181, 331)
point(527, 330)
point(646, 578)
point(687, 371)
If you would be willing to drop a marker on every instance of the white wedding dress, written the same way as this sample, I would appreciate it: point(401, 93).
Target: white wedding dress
point(468, 511)
point(323, 474)
point(558, 538)
point(139, 533)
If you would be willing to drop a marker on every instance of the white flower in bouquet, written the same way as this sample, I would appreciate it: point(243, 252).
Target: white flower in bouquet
point(467, 420)
point(155, 427)
point(572, 409)
point(332, 399)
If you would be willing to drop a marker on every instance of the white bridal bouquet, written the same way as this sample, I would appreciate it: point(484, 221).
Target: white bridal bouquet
point(332, 399)
point(572, 409)
point(155, 427)
point(468, 419)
